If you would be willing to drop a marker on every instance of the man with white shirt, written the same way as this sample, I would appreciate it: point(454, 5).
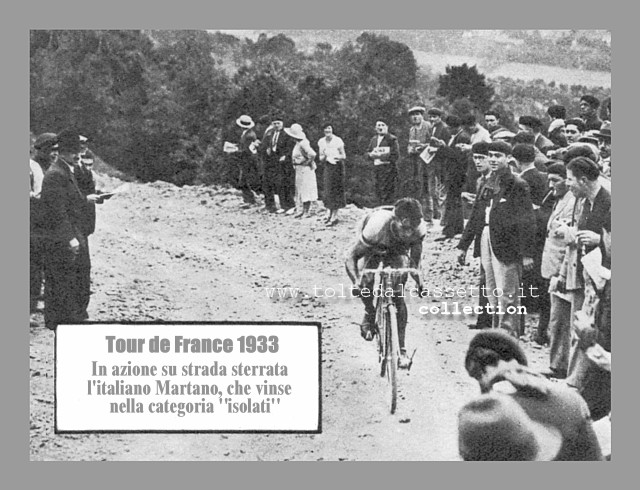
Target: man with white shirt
point(383, 151)
point(553, 254)
point(508, 239)
point(66, 251)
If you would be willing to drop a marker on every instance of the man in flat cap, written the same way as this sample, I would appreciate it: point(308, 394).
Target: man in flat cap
point(492, 123)
point(439, 139)
point(45, 153)
point(418, 170)
point(66, 251)
point(456, 170)
point(589, 112)
point(555, 131)
point(383, 151)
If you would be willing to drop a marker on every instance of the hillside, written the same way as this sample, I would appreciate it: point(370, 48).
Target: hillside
point(492, 51)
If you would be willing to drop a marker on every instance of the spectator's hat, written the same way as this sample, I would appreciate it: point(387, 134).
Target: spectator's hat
point(589, 137)
point(83, 139)
point(580, 149)
point(295, 131)
point(501, 146)
point(557, 111)
point(417, 109)
point(591, 100)
point(480, 148)
point(494, 427)
point(531, 121)
point(505, 346)
point(503, 135)
point(434, 111)
point(245, 122)
point(604, 132)
point(68, 141)
point(46, 141)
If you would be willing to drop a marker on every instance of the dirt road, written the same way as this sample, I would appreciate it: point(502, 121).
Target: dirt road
point(191, 254)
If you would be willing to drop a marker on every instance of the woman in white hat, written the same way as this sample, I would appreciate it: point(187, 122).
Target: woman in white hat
point(303, 158)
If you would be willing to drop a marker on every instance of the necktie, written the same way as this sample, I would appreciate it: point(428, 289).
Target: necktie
point(275, 140)
point(584, 216)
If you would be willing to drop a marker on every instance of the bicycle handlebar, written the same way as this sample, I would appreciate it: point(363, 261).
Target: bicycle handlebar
point(391, 270)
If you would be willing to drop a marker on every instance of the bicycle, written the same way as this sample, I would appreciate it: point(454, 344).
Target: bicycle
point(386, 326)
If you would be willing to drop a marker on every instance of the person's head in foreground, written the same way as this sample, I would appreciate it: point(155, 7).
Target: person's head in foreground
point(488, 352)
point(494, 427)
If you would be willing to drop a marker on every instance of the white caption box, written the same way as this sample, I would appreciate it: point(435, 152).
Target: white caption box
point(188, 377)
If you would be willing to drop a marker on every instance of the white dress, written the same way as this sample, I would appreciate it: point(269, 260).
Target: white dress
point(303, 161)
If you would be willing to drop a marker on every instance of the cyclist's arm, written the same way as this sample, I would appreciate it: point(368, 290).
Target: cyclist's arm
point(416, 255)
point(355, 253)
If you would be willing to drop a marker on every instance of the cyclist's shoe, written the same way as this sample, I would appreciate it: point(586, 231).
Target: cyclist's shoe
point(367, 329)
point(404, 361)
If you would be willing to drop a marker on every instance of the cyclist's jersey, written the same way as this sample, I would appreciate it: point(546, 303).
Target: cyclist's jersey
point(375, 233)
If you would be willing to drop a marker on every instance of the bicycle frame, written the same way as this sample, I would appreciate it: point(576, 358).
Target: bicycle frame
point(387, 327)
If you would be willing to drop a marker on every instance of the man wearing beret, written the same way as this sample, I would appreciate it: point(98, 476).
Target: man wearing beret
point(45, 153)
point(589, 112)
point(492, 122)
point(66, 251)
point(383, 151)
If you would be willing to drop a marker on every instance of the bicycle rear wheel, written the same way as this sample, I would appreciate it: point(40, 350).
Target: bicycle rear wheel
point(392, 350)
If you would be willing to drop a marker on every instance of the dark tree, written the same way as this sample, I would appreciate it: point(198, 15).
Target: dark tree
point(465, 82)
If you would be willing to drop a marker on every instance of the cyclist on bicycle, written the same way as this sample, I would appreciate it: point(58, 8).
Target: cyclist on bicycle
point(392, 234)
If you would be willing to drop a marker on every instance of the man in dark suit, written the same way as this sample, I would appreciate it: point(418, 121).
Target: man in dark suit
point(508, 239)
point(594, 202)
point(533, 125)
point(279, 174)
point(383, 150)
point(473, 230)
point(439, 137)
point(455, 165)
point(535, 297)
point(589, 112)
point(46, 152)
point(64, 215)
point(87, 185)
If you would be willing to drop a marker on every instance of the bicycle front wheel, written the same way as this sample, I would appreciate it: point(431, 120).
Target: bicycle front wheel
point(392, 350)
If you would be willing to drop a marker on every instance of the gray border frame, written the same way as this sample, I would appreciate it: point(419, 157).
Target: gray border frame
point(399, 15)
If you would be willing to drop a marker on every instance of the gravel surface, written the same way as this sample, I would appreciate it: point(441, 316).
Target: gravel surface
point(161, 252)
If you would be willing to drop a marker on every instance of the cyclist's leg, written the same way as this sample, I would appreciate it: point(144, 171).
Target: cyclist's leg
point(401, 261)
point(367, 327)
